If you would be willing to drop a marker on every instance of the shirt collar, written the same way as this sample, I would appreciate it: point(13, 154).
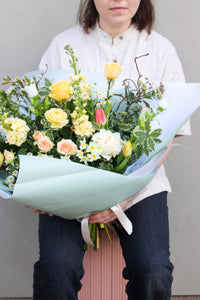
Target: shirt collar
point(128, 34)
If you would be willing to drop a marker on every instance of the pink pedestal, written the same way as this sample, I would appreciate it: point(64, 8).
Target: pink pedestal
point(103, 272)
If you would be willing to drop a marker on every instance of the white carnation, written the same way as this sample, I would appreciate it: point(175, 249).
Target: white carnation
point(111, 143)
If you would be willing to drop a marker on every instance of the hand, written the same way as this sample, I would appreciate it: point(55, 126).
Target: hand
point(105, 216)
point(40, 211)
point(102, 217)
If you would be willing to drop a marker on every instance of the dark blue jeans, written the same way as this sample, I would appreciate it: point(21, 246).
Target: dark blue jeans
point(59, 270)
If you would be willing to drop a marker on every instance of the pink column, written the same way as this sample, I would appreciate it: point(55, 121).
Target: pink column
point(103, 272)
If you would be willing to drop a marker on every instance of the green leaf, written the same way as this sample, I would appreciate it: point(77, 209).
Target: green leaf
point(125, 127)
point(156, 133)
point(21, 152)
point(151, 144)
point(141, 136)
point(148, 126)
point(47, 82)
point(44, 93)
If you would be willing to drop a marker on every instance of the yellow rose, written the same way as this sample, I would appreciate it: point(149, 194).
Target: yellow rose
point(57, 117)
point(127, 149)
point(60, 90)
point(1, 159)
point(112, 70)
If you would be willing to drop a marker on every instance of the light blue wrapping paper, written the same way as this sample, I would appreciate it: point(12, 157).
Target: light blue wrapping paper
point(71, 190)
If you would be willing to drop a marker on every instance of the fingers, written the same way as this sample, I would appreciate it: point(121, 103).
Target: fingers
point(102, 217)
point(35, 210)
point(41, 212)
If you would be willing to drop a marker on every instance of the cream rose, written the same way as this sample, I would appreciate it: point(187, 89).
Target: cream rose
point(84, 129)
point(57, 117)
point(60, 90)
point(66, 147)
point(45, 144)
point(112, 70)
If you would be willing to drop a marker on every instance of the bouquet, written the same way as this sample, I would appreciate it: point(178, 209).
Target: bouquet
point(70, 120)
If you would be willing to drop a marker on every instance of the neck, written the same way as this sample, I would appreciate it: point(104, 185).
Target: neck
point(114, 30)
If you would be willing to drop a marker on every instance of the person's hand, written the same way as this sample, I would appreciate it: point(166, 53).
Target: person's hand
point(102, 217)
point(40, 211)
point(105, 216)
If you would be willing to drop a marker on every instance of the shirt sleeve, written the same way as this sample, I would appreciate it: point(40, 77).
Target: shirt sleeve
point(173, 72)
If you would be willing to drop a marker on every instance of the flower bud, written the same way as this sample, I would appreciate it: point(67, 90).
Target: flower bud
point(1, 159)
point(127, 149)
point(112, 70)
point(100, 117)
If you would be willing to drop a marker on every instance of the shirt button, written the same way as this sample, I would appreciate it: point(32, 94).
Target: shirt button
point(115, 60)
point(121, 37)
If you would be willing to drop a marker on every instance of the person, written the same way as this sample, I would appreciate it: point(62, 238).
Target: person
point(113, 30)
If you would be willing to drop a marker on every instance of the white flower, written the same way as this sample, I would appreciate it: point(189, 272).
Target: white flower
point(79, 154)
point(84, 159)
point(74, 77)
point(66, 157)
point(93, 156)
point(111, 143)
point(10, 179)
point(83, 144)
point(15, 173)
point(11, 186)
point(31, 90)
point(94, 148)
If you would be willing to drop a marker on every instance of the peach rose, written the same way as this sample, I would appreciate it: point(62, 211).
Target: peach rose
point(66, 147)
point(9, 156)
point(45, 144)
point(37, 135)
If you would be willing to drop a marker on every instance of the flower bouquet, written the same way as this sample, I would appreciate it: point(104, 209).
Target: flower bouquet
point(62, 143)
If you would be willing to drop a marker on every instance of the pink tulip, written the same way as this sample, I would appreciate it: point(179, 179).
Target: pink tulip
point(100, 117)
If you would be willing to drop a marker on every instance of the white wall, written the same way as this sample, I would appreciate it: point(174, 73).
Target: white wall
point(26, 29)
point(179, 21)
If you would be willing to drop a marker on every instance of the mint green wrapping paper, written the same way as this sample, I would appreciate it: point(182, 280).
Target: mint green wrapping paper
point(71, 190)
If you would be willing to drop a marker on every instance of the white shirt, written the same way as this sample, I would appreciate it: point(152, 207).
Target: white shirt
point(98, 47)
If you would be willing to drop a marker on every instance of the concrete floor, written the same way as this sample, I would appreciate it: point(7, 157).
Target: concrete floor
point(173, 298)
